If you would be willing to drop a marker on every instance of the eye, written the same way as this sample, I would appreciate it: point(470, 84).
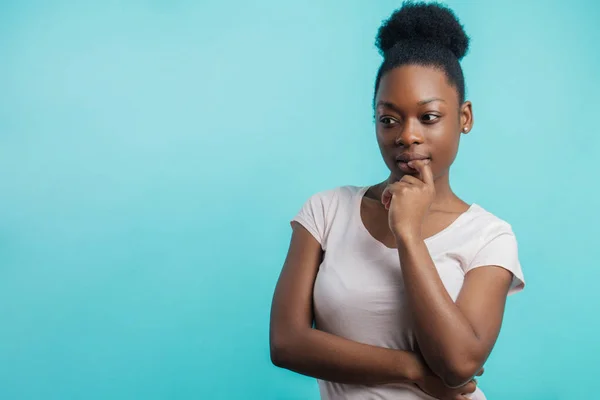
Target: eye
point(429, 118)
point(388, 121)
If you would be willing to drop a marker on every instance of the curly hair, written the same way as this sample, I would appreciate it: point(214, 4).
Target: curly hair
point(427, 34)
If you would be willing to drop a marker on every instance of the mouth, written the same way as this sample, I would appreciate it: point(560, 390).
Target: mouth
point(403, 159)
point(406, 157)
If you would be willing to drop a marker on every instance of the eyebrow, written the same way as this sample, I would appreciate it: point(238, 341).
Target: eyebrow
point(423, 102)
point(391, 105)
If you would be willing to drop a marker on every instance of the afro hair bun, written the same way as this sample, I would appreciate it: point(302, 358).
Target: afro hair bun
point(423, 22)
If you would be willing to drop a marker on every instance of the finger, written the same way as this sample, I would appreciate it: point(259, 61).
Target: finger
point(386, 197)
point(424, 169)
point(469, 388)
point(480, 372)
point(411, 180)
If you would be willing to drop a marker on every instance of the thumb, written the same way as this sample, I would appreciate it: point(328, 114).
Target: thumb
point(386, 197)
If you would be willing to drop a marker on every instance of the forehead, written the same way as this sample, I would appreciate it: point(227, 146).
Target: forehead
point(410, 84)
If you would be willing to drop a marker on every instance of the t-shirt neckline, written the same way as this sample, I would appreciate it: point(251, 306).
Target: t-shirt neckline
point(356, 213)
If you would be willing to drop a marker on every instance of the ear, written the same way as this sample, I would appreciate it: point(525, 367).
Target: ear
point(466, 117)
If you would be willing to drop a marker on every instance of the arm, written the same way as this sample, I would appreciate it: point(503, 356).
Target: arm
point(295, 345)
point(454, 338)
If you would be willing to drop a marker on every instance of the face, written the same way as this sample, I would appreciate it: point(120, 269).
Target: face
point(418, 116)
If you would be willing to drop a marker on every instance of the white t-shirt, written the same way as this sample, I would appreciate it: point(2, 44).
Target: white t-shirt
point(359, 289)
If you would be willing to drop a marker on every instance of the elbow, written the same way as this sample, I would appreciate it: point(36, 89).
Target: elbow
point(281, 347)
point(459, 372)
point(278, 357)
point(454, 379)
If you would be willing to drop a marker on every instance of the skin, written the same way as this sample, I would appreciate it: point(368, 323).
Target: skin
point(413, 203)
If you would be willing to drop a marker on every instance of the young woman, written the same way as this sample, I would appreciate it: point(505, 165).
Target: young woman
point(404, 282)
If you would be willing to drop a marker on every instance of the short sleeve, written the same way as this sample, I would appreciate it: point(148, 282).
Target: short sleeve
point(313, 216)
point(500, 248)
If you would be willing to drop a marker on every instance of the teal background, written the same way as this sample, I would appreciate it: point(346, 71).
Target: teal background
point(153, 152)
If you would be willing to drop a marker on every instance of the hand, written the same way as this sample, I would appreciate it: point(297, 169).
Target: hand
point(433, 386)
point(409, 199)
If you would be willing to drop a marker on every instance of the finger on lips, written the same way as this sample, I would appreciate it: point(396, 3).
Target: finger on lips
point(424, 169)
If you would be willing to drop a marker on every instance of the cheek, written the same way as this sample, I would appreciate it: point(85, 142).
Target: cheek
point(386, 138)
point(382, 140)
point(446, 148)
point(386, 145)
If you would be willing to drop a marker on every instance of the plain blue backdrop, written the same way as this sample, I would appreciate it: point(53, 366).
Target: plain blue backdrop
point(152, 153)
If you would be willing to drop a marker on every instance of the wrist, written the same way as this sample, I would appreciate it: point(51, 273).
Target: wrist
point(410, 368)
point(407, 237)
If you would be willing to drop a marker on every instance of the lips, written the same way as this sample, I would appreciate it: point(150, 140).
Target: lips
point(403, 159)
point(406, 157)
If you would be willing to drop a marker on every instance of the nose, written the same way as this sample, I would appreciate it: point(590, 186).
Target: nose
point(409, 134)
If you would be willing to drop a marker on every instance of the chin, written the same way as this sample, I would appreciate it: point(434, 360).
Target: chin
point(395, 176)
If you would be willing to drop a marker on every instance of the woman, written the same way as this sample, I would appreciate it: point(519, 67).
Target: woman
point(405, 282)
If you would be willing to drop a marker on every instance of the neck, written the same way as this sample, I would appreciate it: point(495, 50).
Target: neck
point(443, 192)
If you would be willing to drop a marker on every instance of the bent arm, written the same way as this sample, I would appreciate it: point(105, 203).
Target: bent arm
point(296, 346)
point(455, 338)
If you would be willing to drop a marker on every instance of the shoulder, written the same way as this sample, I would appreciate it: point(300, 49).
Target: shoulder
point(495, 245)
point(486, 224)
point(345, 190)
point(319, 212)
point(334, 196)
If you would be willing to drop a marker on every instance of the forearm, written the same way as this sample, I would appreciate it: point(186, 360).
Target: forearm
point(325, 356)
point(446, 338)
